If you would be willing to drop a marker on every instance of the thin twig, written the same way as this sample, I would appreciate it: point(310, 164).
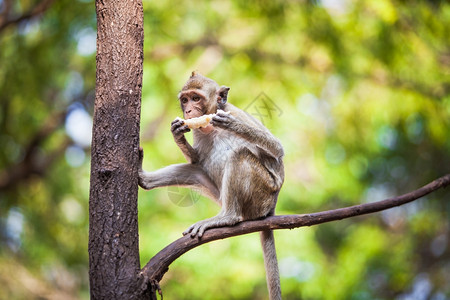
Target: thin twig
point(38, 9)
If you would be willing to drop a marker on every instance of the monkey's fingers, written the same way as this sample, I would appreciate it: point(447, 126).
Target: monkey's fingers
point(141, 154)
point(178, 127)
point(199, 228)
point(202, 229)
point(195, 229)
point(177, 120)
point(176, 123)
point(182, 129)
point(187, 231)
point(222, 120)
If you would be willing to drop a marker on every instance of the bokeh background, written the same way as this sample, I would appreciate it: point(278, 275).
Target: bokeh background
point(357, 91)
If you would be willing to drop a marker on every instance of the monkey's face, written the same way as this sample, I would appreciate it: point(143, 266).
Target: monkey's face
point(193, 103)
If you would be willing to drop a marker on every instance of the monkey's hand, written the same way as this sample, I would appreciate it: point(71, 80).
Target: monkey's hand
point(178, 129)
point(223, 119)
point(141, 156)
point(141, 170)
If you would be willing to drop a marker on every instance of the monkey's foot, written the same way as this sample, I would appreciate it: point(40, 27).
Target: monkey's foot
point(199, 228)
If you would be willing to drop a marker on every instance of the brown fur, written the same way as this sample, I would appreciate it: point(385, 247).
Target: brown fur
point(236, 162)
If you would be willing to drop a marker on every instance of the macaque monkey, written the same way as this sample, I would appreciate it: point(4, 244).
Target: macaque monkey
point(234, 160)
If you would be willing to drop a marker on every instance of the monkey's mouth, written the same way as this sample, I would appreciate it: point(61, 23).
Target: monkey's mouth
point(194, 114)
point(192, 117)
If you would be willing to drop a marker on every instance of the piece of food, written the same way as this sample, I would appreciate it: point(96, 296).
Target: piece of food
point(202, 121)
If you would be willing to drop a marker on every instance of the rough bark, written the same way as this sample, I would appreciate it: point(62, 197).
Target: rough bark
point(113, 219)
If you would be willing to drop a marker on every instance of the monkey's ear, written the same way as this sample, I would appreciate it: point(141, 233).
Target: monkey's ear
point(222, 96)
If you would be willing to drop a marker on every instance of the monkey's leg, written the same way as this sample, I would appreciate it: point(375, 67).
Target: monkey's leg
point(187, 175)
point(231, 212)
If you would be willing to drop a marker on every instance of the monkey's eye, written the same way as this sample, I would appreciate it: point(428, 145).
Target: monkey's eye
point(196, 98)
point(184, 100)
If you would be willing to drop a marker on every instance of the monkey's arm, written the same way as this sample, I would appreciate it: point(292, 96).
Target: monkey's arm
point(252, 131)
point(186, 175)
point(178, 130)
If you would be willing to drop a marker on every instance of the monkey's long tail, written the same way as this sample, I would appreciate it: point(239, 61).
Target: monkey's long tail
point(271, 264)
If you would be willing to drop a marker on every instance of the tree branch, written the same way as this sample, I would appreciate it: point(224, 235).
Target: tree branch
point(38, 9)
point(33, 163)
point(159, 264)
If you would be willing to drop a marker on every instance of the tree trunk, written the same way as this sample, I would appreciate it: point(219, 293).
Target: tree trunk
point(113, 218)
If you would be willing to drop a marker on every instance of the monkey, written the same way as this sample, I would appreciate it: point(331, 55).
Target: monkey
point(234, 160)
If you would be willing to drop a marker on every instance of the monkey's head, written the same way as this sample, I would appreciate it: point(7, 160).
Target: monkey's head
point(201, 95)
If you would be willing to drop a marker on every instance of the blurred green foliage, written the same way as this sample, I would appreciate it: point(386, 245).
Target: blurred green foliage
point(357, 91)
